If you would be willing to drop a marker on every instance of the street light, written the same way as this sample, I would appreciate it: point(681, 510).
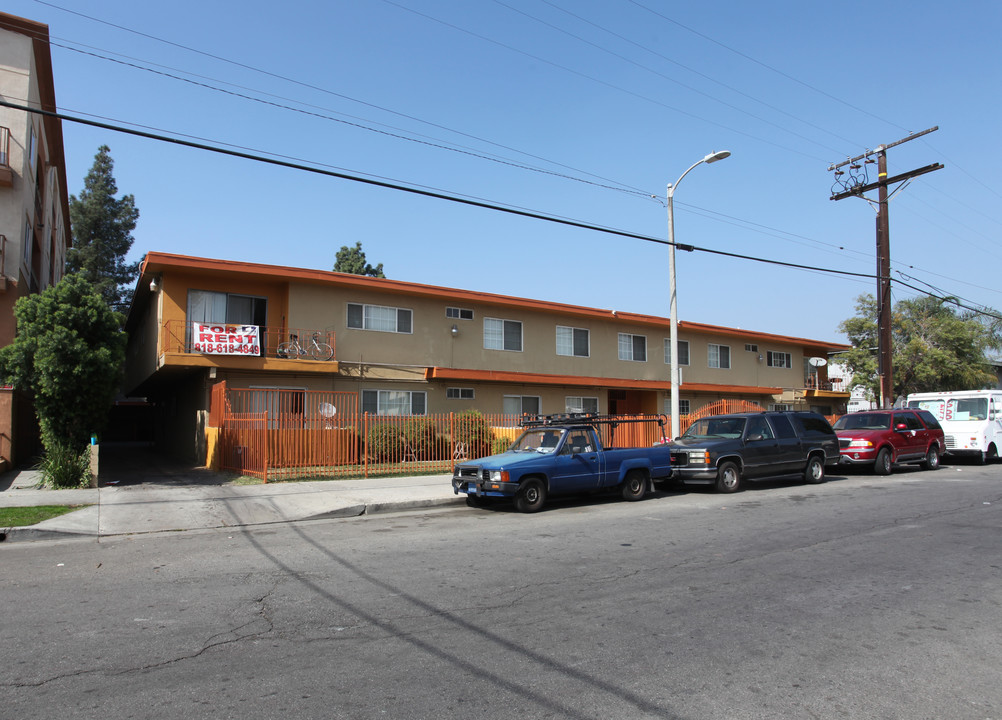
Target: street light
point(711, 158)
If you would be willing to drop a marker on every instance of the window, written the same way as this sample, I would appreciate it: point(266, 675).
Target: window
point(28, 242)
point(572, 341)
point(574, 404)
point(632, 347)
point(778, 359)
point(379, 318)
point(521, 405)
point(502, 334)
point(781, 406)
point(282, 406)
point(751, 348)
point(683, 406)
point(683, 351)
point(32, 148)
point(459, 393)
point(719, 356)
point(784, 428)
point(394, 402)
point(458, 313)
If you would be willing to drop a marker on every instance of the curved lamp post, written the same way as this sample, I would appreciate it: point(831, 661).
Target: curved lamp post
point(711, 158)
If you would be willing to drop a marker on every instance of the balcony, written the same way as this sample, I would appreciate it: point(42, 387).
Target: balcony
point(248, 346)
point(815, 387)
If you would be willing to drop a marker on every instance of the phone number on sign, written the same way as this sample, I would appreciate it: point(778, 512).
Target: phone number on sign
point(225, 349)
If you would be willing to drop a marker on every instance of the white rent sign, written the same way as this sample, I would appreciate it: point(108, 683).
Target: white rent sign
point(217, 339)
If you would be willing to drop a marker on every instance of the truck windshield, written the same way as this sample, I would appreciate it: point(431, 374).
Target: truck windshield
point(539, 441)
point(955, 409)
point(716, 427)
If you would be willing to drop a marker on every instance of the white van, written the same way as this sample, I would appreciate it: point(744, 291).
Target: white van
point(971, 419)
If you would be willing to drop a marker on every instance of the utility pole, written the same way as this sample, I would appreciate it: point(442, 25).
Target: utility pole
point(856, 185)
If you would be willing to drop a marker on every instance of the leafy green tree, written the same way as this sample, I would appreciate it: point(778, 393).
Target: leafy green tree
point(352, 260)
point(68, 354)
point(933, 346)
point(102, 234)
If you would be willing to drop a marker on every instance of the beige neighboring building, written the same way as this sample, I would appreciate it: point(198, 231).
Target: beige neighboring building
point(34, 203)
point(407, 348)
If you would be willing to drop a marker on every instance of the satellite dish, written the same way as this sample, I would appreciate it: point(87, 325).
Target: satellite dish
point(327, 410)
point(817, 362)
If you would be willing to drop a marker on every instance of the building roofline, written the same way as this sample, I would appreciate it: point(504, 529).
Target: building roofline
point(158, 261)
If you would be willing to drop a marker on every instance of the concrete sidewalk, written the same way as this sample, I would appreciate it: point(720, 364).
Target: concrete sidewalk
point(166, 498)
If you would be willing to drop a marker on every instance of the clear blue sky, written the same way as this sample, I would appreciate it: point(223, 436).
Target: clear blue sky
point(607, 101)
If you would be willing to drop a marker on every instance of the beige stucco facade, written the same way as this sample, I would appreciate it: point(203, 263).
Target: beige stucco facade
point(438, 350)
point(34, 205)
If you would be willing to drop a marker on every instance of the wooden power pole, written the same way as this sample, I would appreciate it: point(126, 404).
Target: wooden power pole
point(855, 185)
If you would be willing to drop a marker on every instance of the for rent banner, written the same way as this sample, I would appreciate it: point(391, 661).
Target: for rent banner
point(217, 339)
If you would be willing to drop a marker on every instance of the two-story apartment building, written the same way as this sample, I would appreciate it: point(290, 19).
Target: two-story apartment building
point(407, 348)
point(34, 204)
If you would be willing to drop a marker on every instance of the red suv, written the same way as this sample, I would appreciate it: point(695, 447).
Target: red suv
point(881, 438)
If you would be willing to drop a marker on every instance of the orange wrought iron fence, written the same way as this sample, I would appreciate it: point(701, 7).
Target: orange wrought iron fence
point(278, 434)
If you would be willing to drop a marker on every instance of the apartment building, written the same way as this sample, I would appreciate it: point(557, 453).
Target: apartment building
point(34, 204)
point(408, 348)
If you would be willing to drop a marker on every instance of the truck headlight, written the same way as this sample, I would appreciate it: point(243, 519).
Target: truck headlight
point(699, 457)
point(861, 444)
point(499, 476)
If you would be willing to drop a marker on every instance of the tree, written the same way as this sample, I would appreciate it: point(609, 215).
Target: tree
point(933, 346)
point(352, 260)
point(68, 354)
point(102, 234)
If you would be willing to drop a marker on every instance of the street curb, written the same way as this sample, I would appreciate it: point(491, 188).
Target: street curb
point(31, 532)
point(400, 505)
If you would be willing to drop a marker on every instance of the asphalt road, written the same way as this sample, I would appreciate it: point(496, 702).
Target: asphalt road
point(864, 597)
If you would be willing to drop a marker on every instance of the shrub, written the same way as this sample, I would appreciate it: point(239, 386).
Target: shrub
point(385, 442)
point(472, 430)
point(64, 466)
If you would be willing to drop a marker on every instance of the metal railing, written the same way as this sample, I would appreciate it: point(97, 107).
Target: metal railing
point(298, 434)
point(176, 337)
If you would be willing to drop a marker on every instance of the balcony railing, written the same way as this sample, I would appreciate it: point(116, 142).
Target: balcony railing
point(272, 341)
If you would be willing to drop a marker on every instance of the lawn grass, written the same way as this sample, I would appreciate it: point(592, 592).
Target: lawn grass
point(21, 516)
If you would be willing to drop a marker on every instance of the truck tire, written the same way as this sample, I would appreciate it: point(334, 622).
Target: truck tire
point(931, 461)
point(882, 465)
point(634, 485)
point(814, 473)
point(531, 496)
point(728, 478)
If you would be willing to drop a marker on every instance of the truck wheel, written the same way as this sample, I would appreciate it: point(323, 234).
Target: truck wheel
point(728, 478)
point(882, 465)
point(635, 485)
point(931, 461)
point(530, 496)
point(814, 473)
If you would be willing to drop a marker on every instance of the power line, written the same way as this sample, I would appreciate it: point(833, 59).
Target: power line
point(326, 91)
point(422, 192)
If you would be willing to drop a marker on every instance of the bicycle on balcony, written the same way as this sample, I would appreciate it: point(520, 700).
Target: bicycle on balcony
point(314, 349)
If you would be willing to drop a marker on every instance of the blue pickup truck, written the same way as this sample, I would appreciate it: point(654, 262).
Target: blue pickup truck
point(562, 455)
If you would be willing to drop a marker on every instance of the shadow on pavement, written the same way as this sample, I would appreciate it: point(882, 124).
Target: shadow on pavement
point(139, 464)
